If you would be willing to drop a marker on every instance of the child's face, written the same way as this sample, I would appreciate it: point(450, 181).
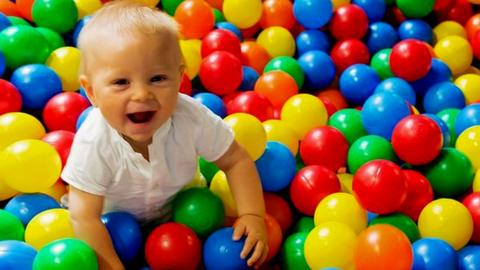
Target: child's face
point(134, 81)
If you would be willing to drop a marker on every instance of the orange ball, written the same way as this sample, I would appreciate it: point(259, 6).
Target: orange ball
point(472, 25)
point(195, 18)
point(25, 8)
point(277, 86)
point(383, 247)
point(254, 56)
point(277, 13)
point(8, 8)
point(218, 4)
point(274, 233)
point(336, 97)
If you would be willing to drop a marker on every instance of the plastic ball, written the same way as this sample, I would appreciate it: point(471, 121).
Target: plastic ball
point(170, 6)
point(252, 103)
point(416, 29)
point(288, 65)
point(458, 10)
point(11, 227)
point(48, 226)
point(293, 256)
point(250, 77)
point(381, 63)
point(220, 187)
point(381, 247)
point(401, 222)
point(245, 127)
point(446, 219)
point(381, 113)
point(325, 146)
point(16, 255)
point(334, 96)
point(349, 123)
point(125, 233)
point(278, 41)
point(433, 253)
point(243, 13)
point(230, 27)
point(304, 224)
point(221, 40)
point(319, 69)
point(414, 9)
point(397, 86)
point(18, 126)
point(58, 15)
point(279, 209)
point(88, 7)
point(277, 13)
point(313, 14)
point(68, 253)
point(330, 244)
point(468, 84)
point(192, 57)
point(222, 253)
point(208, 169)
point(56, 191)
point(54, 39)
point(279, 131)
point(4, 21)
point(312, 40)
point(443, 96)
point(472, 202)
point(348, 21)
point(468, 117)
point(419, 194)
point(310, 186)
point(82, 117)
point(173, 245)
point(10, 98)
point(368, 148)
point(443, 127)
point(469, 257)
point(62, 111)
point(439, 72)
point(26, 206)
point(469, 144)
point(254, 55)
point(274, 177)
point(413, 54)
point(195, 18)
point(348, 52)
point(380, 186)
point(375, 9)
point(274, 236)
point(358, 82)
point(380, 36)
point(448, 28)
point(221, 72)
point(65, 62)
point(212, 102)
point(304, 112)
point(37, 84)
point(456, 52)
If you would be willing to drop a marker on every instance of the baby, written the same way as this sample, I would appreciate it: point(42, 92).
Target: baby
point(140, 144)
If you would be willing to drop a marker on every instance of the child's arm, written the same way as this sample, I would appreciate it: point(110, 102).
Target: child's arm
point(247, 190)
point(86, 210)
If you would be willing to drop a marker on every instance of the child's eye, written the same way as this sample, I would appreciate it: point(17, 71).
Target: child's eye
point(158, 78)
point(120, 82)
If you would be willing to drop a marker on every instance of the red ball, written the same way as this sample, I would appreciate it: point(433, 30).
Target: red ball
point(349, 21)
point(310, 186)
point(331, 109)
point(419, 194)
point(62, 111)
point(442, 4)
point(410, 59)
point(278, 208)
point(460, 11)
point(221, 72)
point(417, 139)
point(221, 40)
point(394, 16)
point(173, 246)
point(62, 141)
point(348, 52)
point(186, 85)
point(10, 98)
point(325, 146)
point(274, 233)
point(475, 43)
point(472, 202)
point(380, 186)
point(252, 103)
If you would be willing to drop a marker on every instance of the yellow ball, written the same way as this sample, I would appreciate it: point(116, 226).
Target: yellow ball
point(278, 41)
point(18, 126)
point(30, 166)
point(456, 52)
point(150, 3)
point(249, 133)
point(6, 192)
point(346, 181)
point(469, 84)
point(476, 182)
point(197, 181)
point(469, 143)
point(338, 3)
point(242, 13)
point(48, 226)
point(279, 131)
point(448, 220)
point(191, 56)
point(87, 7)
point(330, 244)
point(65, 61)
point(449, 28)
point(344, 208)
point(304, 112)
point(219, 186)
point(56, 191)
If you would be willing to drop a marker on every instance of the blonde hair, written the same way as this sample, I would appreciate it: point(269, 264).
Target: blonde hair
point(125, 18)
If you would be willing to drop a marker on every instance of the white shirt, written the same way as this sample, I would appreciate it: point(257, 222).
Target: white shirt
point(101, 162)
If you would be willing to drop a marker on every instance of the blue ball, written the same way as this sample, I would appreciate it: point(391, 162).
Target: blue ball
point(213, 102)
point(313, 14)
point(371, 216)
point(447, 138)
point(439, 72)
point(469, 258)
point(312, 40)
point(380, 36)
point(397, 86)
point(4, 22)
point(442, 96)
point(468, 117)
point(230, 27)
point(83, 116)
point(276, 167)
point(416, 29)
point(16, 255)
point(37, 84)
point(3, 64)
point(26, 206)
point(125, 233)
point(319, 69)
point(250, 77)
point(375, 9)
point(433, 254)
point(220, 252)
point(358, 82)
point(78, 28)
point(381, 113)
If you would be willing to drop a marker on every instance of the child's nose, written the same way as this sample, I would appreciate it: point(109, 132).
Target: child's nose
point(141, 93)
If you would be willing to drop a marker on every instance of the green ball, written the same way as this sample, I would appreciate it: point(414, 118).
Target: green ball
point(58, 15)
point(11, 228)
point(199, 209)
point(304, 224)
point(300, 164)
point(381, 63)
point(292, 252)
point(449, 116)
point(170, 6)
point(402, 222)
point(218, 15)
point(14, 20)
point(208, 169)
point(349, 122)
point(289, 65)
point(368, 148)
point(451, 173)
point(23, 45)
point(415, 8)
point(54, 40)
point(65, 254)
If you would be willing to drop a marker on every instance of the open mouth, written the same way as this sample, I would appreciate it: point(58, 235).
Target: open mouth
point(141, 117)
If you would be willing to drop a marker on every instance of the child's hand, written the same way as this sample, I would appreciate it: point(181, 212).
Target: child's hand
point(253, 227)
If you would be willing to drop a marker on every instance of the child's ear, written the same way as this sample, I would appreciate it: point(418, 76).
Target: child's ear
point(84, 82)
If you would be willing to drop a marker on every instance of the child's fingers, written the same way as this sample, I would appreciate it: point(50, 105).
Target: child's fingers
point(257, 254)
point(263, 258)
point(239, 231)
point(250, 243)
